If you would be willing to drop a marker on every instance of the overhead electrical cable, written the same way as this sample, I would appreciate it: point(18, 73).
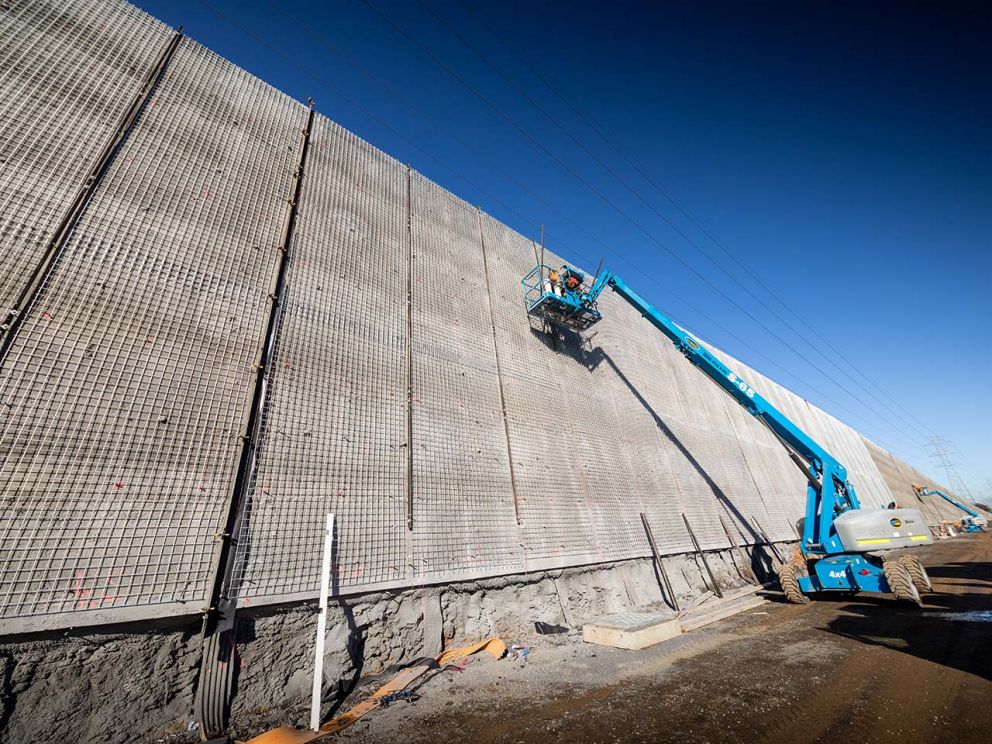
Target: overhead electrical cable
point(688, 239)
point(321, 39)
point(526, 220)
point(685, 212)
point(634, 222)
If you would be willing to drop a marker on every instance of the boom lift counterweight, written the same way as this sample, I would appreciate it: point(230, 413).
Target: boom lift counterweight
point(839, 537)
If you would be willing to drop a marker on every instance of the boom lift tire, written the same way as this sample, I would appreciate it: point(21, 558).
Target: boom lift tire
point(901, 582)
point(917, 573)
point(788, 577)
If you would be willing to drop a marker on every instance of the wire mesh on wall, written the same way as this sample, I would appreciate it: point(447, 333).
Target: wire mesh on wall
point(408, 391)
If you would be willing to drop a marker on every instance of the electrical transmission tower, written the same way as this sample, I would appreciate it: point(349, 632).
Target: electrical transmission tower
point(986, 497)
point(942, 453)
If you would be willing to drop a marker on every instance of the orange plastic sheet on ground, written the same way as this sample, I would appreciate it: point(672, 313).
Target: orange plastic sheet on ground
point(286, 735)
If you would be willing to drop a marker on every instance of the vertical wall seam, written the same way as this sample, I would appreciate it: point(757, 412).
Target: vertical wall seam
point(409, 349)
point(499, 371)
point(219, 615)
point(16, 314)
point(252, 417)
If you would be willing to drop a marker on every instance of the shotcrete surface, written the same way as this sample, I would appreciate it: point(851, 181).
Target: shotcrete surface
point(408, 391)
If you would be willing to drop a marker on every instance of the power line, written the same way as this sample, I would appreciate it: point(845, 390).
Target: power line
point(987, 497)
point(337, 50)
point(970, 472)
point(941, 453)
point(350, 101)
point(578, 177)
point(666, 194)
point(322, 39)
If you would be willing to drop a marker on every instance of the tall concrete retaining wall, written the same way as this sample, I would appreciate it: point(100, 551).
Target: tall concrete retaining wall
point(484, 475)
point(407, 393)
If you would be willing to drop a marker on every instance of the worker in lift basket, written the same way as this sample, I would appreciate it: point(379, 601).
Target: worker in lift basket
point(561, 279)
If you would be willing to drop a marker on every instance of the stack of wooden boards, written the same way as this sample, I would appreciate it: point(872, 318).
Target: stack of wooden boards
point(636, 630)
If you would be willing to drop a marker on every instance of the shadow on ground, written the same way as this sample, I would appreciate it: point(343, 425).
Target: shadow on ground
point(952, 629)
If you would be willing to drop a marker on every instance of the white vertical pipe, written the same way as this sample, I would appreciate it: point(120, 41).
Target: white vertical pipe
point(318, 655)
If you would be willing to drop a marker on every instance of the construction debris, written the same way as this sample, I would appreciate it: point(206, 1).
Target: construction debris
point(631, 630)
point(389, 692)
point(731, 604)
point(518, 652)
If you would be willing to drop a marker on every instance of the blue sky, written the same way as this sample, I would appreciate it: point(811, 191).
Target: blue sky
point(839, 152)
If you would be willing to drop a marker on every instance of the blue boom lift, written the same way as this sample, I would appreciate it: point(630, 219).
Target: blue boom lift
point(840, 541)
point(974, 522)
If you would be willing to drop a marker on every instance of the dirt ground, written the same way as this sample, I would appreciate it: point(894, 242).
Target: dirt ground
point(857, 669)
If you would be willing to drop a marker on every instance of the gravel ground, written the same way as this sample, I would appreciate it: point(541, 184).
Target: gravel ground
point(860, 669)
point(849, 669)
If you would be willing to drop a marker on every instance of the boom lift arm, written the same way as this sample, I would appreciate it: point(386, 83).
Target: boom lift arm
point(837, 533)
point(976, 523)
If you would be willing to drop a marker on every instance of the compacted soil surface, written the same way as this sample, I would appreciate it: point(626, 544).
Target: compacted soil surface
point(849, 669)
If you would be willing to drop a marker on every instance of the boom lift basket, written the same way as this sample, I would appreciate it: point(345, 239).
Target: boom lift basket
point(560, 297)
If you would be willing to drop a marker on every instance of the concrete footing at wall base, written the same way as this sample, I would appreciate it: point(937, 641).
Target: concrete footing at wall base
point(136, 682)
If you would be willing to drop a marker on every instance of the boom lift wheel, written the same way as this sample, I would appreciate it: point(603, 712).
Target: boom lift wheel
point(901, 581)
point(788, 577)
point(917, 573)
